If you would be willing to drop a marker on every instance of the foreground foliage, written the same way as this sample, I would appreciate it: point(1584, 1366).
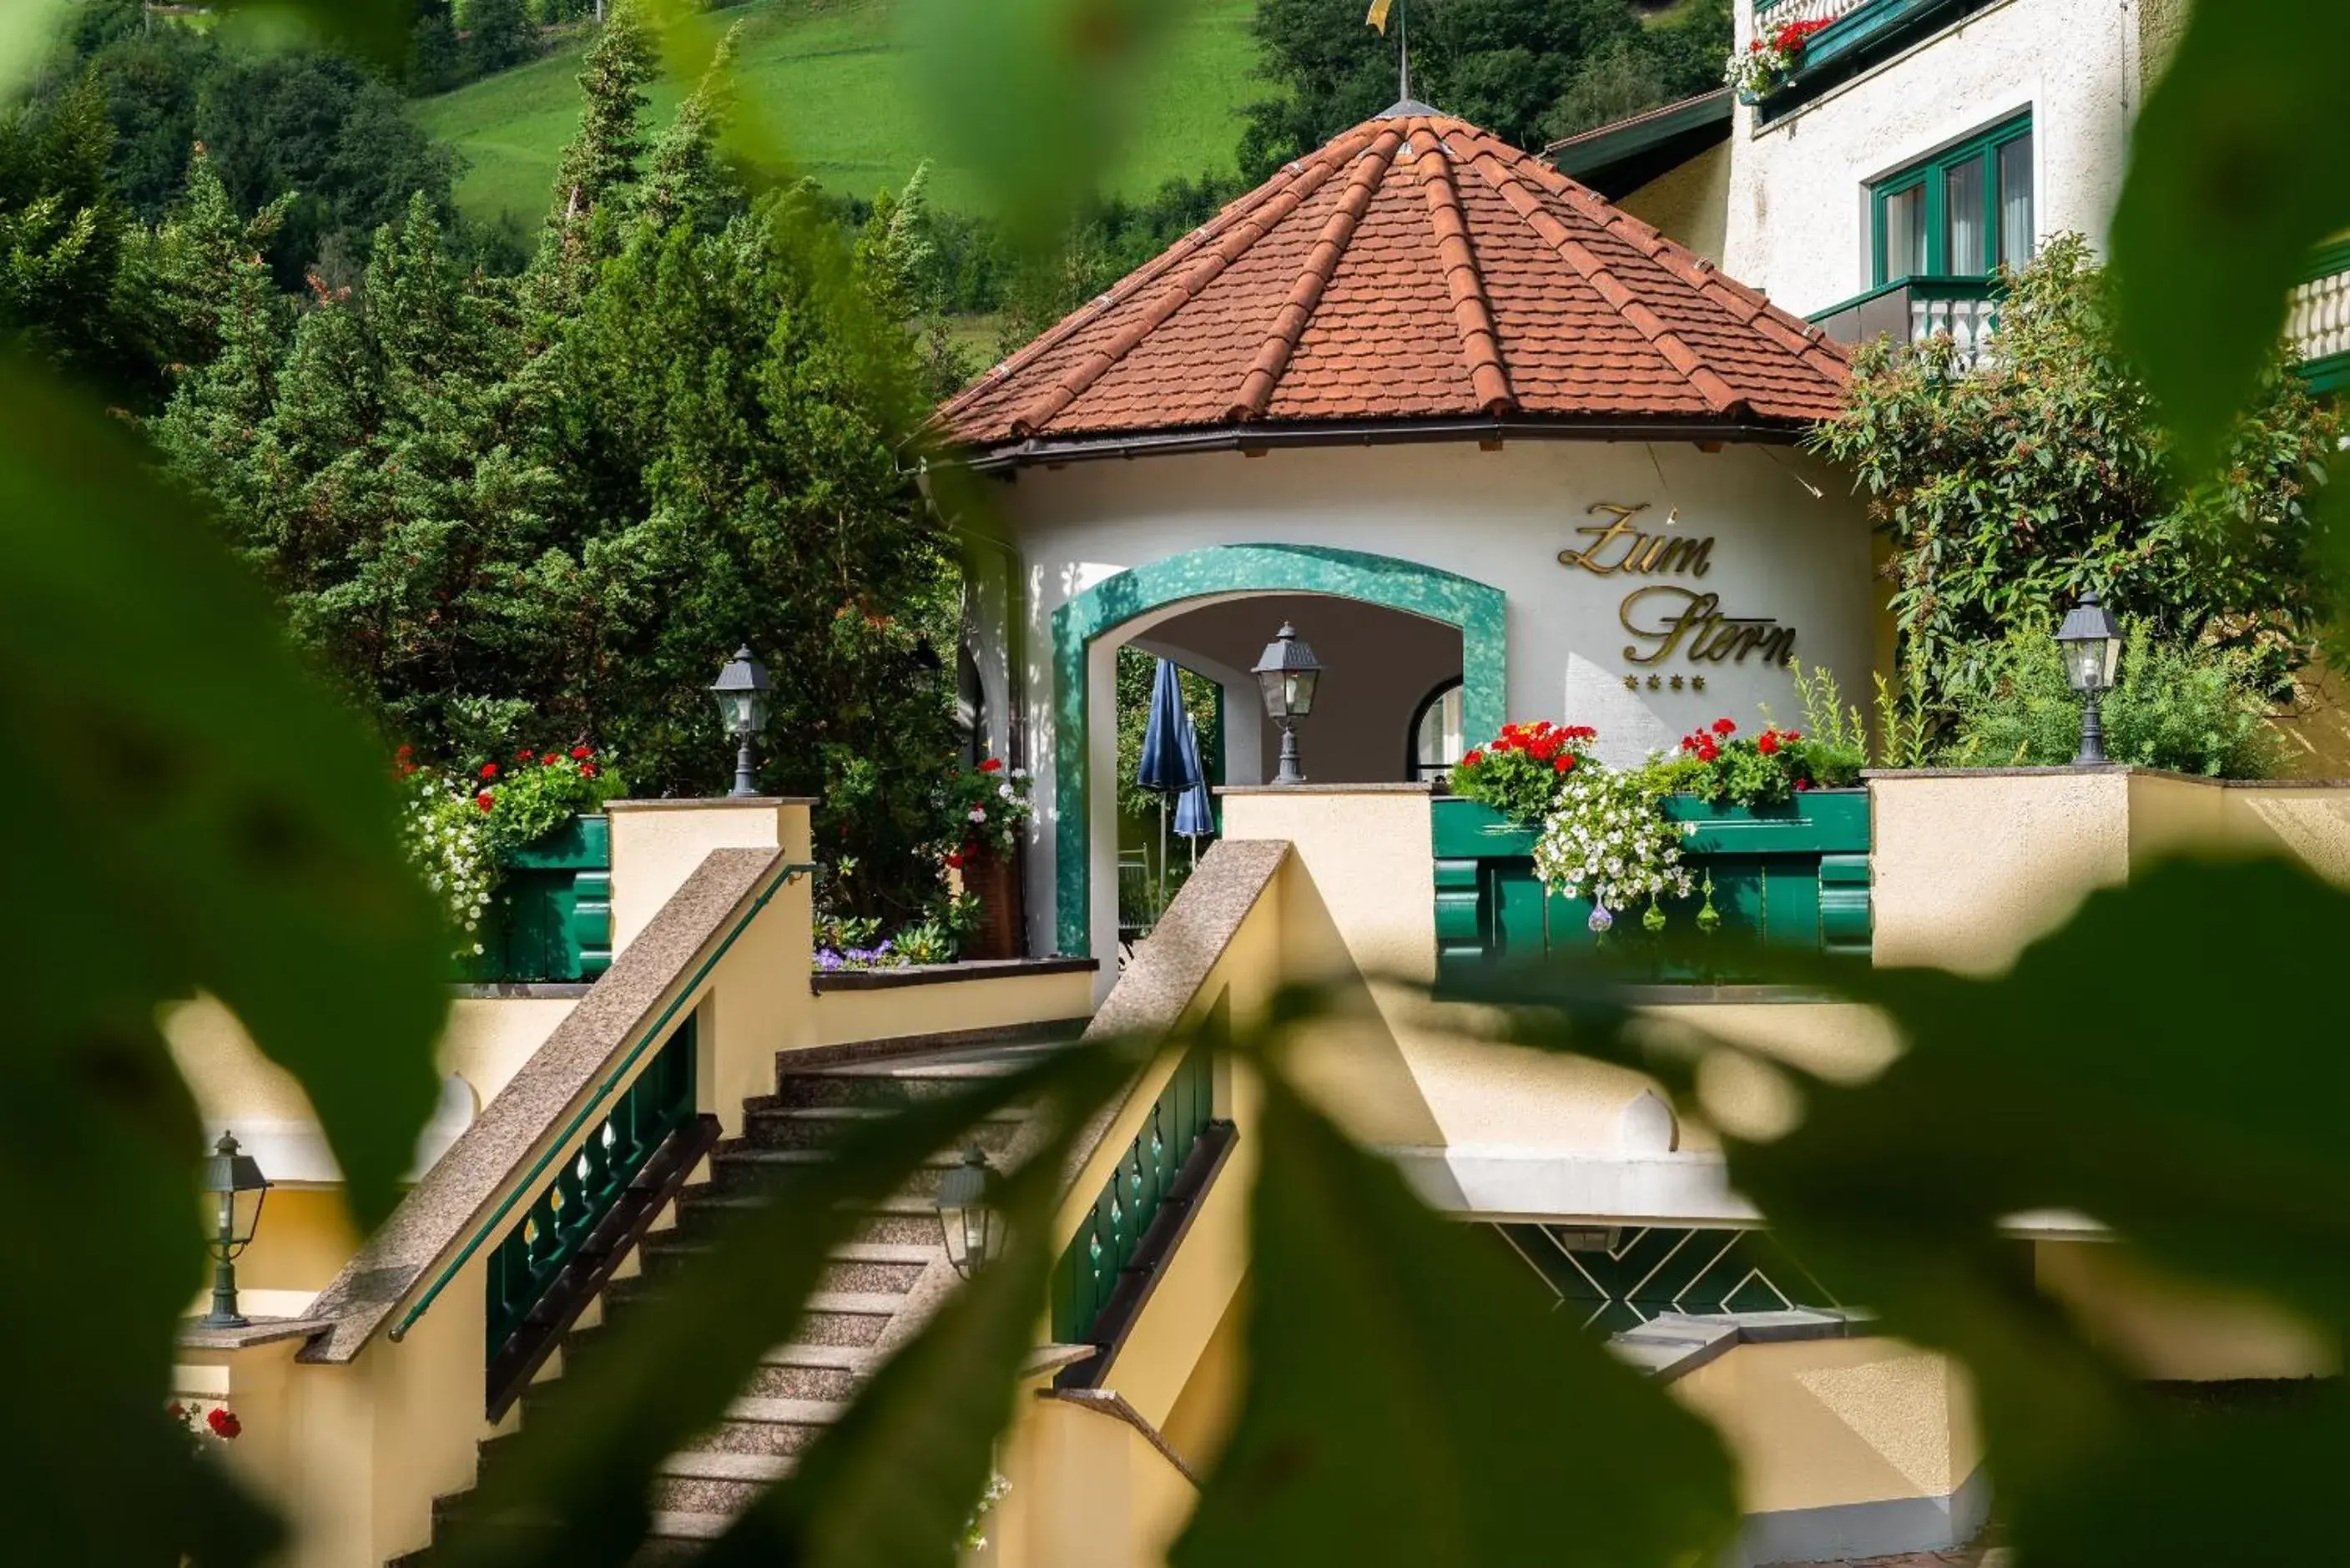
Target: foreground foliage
point(176, 849)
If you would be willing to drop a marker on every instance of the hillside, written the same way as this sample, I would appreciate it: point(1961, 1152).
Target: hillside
point(831, 77)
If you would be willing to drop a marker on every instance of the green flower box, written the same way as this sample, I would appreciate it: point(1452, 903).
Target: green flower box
point(551, 918)
point(1792, 875)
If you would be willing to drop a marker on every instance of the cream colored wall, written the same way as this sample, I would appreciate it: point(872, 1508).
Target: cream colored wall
point(657, 843)
point(1205, 1411)
point(1971, 868)
point(844, 1017)
point(1115, 1500)
point(1689, 202)
point(2163, 1327)
point(353, 1456)
point(1823, 1423)
point(490, 1037)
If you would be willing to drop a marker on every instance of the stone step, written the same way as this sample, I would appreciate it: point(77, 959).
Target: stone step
point(741, 1170)
point(822, 1127)
point(885, 1085)
point(803, 1371)
point(761, 1425)
point(893, 1273)
point(707, 1482)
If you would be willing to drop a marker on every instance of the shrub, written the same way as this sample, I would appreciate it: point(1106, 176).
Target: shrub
point(2007, 489)
point(2190, 710)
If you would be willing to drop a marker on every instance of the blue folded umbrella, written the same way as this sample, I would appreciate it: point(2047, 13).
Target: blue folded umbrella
point(1164, 765)
point(1195, 814)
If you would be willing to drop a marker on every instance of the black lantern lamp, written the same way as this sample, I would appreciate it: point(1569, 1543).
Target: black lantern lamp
point(235, 1179)
point(2092, 645)
point(972, 1228)
point(742, 688)
point(1288, 674)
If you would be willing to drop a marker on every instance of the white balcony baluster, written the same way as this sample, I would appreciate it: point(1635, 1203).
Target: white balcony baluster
point(2318, 324)
point(1772, 14)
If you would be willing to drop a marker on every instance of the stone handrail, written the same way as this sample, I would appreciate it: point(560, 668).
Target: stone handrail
point(541, 1115)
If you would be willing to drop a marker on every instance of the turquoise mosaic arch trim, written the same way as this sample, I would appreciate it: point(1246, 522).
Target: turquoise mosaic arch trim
point(1478, 610)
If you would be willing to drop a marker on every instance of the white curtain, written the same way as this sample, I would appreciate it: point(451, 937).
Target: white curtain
point(2015, 233)
point(1966, 254)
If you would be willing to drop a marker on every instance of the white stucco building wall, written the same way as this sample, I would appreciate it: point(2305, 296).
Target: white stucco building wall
point(1799, 218)
point(1781, 553)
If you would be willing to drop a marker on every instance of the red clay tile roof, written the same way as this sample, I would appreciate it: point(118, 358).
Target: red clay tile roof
point(1414, 268)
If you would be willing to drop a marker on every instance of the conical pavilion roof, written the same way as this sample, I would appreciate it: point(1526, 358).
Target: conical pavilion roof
point(1414, 269)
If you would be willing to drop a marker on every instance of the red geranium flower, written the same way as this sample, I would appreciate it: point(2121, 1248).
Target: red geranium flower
point(523, 755)
point(1724, 727)
point(1801, 785)
point(1472, 759)
point(954, 860)
point(1767, 743)
point(489, 770)
point(404, 752)
point(1564, 765)
point(485, 800)
point(223, 1421)
point(549, 760)
point(991, 766)
point(587, 770)
point(581, 753)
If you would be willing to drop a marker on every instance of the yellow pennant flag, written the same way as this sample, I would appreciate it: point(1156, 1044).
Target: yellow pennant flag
point(1378, 17)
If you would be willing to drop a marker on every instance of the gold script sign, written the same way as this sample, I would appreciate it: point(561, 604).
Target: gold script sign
point(1668, 617)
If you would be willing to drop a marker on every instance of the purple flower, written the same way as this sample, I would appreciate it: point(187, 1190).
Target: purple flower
point(827, 959)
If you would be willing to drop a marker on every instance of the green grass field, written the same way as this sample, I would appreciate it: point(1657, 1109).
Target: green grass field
point(830, 77)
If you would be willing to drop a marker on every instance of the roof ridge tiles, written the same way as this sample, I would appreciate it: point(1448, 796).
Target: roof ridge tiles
point(1313, 273)
point(1472, 311)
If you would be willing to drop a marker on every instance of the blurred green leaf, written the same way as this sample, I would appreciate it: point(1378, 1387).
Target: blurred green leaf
point(190, 810)
point(26, 29)
point(232, 819)
point(2203, 1128)
point(892, 1483)
point(2240, 164)
point(1412, 1399)
point(579, 1480)
point(1036, 97)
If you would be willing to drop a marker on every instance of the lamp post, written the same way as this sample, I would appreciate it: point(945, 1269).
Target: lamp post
point(965, 1217)
point(2092, 645)
point(236, 1179)
point(1288, 675)
point(742, 688)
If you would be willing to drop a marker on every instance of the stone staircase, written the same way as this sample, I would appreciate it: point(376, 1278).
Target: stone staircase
point(876, 1290)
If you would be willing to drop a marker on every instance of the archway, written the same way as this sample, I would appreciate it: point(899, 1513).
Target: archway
point(1476, 609)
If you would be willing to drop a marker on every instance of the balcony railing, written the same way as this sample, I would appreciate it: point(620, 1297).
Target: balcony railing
point(1963, 309)
point(1779, 13)
point(2318, 326)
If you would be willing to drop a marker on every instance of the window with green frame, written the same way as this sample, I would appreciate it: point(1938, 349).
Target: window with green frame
point(1962, 213)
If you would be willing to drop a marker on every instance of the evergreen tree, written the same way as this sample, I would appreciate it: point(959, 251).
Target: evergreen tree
point(60, 232)
point(688, 171)
point(601, 161)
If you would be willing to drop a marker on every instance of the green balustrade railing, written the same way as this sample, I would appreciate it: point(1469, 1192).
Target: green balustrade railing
point(559, 1222)
point(1793, 877)
point(1087, 1274)
point(551, 918)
